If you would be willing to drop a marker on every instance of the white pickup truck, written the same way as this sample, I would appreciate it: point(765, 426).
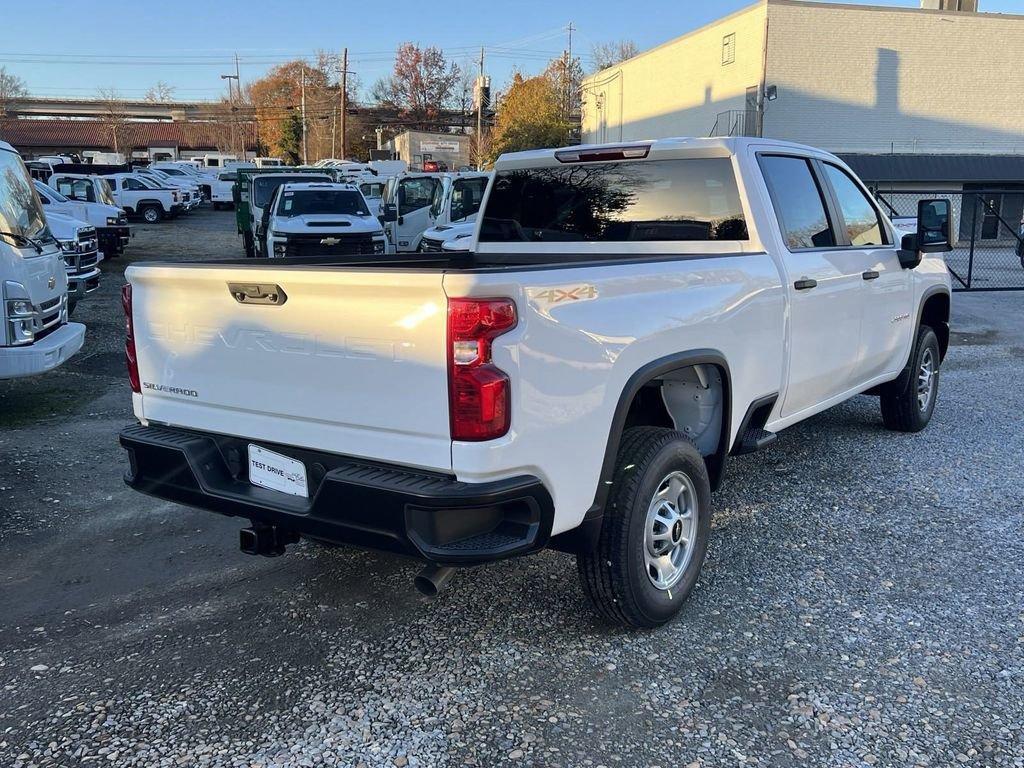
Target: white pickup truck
point(631, 316)
point(321, 219)
point(111, 222)
point(79, 245)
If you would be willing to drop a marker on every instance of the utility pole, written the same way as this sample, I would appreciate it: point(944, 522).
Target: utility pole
point(480, 112)
point(238, 103)
point(567, 96)
point(334, 129)
point(303, 91)
point(344, 102)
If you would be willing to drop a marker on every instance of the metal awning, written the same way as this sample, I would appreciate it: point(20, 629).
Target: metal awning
point(1000, 169)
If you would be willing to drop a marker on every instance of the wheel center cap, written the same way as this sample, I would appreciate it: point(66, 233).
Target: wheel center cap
point(677, 531)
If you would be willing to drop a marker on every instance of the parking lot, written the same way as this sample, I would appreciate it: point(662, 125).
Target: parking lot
point(862, 602)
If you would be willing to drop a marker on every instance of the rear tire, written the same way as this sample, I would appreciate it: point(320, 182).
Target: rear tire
point(151, 214)
point(655, 532)
point(908, 403)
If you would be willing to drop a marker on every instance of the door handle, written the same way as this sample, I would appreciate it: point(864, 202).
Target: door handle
point(805, 284)
point(870, 275)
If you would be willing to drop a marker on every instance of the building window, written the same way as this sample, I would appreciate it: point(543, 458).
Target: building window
point(729, 49)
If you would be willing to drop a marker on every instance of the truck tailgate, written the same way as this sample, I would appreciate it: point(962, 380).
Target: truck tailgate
point(352, 362)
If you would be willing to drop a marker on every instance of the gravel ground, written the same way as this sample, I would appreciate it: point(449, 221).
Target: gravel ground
point(862, 604)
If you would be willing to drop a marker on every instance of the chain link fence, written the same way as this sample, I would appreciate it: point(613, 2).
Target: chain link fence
point(987, 232)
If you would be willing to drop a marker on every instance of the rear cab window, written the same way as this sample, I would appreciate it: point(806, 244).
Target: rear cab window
point(691, 199)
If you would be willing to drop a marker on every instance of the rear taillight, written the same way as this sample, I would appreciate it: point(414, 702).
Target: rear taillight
point(478, 391)
point(129, 338)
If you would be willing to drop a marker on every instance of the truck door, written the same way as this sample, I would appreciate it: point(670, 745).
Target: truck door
point(887, 293)
point(824, 284)
point(414, 196)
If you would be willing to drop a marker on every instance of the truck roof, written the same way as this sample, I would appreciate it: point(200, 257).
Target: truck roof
point(649, 149)
point(304, 186)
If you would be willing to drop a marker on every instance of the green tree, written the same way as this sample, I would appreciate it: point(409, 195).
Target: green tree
point(289, 139)
point(529, 117)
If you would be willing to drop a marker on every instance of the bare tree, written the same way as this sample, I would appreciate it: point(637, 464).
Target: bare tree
point(422, 85)
point(12, 89)
point(609, 54)
point(160, 92)
point(115, 116)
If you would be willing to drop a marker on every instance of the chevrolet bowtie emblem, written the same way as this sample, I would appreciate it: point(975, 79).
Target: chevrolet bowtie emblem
point(329, 241)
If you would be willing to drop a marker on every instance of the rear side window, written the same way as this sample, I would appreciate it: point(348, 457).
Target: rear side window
point(863, 226)
point(676, 200)
point(798, 202)
point(467, 195)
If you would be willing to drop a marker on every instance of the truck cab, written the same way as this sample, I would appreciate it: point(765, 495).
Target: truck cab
point(321, 219)
point(454, 210)
point(256, 188)
point(424, 200)
point(110, 221)
point(143, 196)
point(35, 335)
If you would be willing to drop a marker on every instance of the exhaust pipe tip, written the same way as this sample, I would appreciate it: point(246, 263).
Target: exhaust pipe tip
point(432, 579)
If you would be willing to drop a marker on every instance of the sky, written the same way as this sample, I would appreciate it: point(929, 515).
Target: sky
point(190, 44)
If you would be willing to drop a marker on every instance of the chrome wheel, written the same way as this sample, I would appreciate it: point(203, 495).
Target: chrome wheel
point(670, 530)
point(926, 380)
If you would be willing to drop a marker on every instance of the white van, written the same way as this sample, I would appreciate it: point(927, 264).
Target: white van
point(35, 335)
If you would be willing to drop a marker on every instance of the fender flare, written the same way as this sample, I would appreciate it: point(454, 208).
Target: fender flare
point(584, 537)
point(653, 370)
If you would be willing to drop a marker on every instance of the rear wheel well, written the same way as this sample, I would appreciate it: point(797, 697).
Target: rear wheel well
point(935, 314)
point(692, 399)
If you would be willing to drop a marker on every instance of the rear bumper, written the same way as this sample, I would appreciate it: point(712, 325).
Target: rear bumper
point(372, 506)
point(43, 355)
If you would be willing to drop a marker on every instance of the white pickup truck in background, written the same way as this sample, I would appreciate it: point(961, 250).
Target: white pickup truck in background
point(143, 197)
point(111, 223)
point(308, 219)
point(35, 335)
point(631, 317)
point(79, 245)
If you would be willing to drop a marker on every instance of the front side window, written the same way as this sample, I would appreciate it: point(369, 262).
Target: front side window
point(106, 194)
point(693, 199)
point(372, 189)
point(798, 202)
point(330, 201)
point(467, 194)
point(863, 227)
point(437, 201)
point(50, 192)
point(20, 211)
point(417, 193)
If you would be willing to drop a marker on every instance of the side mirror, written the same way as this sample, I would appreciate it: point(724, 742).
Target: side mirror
point(390, 213)
point(933, 235)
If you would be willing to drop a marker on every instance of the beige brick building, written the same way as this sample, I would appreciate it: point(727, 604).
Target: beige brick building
point(856, 80)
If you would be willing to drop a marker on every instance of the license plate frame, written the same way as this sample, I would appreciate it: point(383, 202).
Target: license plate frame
point(277, 472)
